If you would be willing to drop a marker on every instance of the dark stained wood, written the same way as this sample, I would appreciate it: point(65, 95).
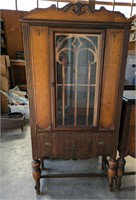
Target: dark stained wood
point(75, 142)
point(126, 144)
point(71, 147)
point(120, 171)
point(74, 175)
point(36, 172)
point(112, 172)
point(127, 125)
point(131, 140)
point(53, 13)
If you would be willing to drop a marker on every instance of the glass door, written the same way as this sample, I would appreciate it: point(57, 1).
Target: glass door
point(77, 73)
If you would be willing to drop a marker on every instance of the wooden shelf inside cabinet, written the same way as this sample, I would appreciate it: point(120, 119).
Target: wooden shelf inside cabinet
point(17, 74)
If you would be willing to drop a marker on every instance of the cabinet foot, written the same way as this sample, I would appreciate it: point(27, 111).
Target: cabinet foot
point(120, 171)
point(104, 162)
point(36, 172)
point(112, 172)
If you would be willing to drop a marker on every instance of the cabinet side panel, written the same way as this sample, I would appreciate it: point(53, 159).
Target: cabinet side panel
point(28, 68)
point(111, 76)
point(131, 141)
point(40, 71)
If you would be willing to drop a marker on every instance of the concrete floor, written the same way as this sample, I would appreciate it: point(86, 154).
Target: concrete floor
point(16, 182)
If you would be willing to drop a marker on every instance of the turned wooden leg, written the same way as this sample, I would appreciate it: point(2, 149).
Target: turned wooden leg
point(36, 172)
point(120, 171)
point(112, 172)
point(104, 162)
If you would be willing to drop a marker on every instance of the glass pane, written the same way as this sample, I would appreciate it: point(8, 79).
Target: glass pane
point(93, 74)
point(69, 105)
point(81, 105)
point(65, 74)
point(66, 61)
point(91, 105)
point(77, 71)
point(59, 105)
point(82, 74)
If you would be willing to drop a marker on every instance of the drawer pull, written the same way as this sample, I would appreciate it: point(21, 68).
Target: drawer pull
point(48, 144)
point(101, 143)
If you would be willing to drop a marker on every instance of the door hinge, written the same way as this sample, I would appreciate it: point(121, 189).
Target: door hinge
point(53, 84)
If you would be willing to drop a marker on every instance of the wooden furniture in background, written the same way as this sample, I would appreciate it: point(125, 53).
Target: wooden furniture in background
point(126, 144)
point(131, 52)
point(18, 74)
point(75, 67)
point(12, 121)
point(13, 31)
point(2, 38)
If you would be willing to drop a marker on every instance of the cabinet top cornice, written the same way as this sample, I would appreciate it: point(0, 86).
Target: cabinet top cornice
point(76, 12)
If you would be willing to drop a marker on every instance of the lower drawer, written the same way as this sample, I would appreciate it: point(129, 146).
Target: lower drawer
point(74, 146)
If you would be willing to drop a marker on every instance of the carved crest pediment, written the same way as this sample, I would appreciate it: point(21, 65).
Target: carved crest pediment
point(79, 8)
point(78, 11)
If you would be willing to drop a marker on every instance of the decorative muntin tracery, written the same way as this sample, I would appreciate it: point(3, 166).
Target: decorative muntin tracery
point(77, 75)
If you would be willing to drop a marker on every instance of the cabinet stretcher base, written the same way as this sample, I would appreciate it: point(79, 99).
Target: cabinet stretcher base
point(110, 170)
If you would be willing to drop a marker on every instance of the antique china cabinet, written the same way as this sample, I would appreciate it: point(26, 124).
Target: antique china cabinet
point(75, 66)
point(126, 144)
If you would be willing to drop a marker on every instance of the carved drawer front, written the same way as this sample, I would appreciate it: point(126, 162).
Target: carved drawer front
point(66, 146)
point(103, 144)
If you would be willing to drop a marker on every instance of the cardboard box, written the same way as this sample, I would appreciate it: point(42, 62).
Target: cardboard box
point(4, 103)
point(4, 85)
point(3, 66)
point(4, 82)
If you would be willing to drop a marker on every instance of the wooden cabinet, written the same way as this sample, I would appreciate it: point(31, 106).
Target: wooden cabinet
point(126, 144)
point(75, 66)
point(127, 125)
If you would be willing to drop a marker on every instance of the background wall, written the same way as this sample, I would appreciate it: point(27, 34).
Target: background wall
point(13, 31)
